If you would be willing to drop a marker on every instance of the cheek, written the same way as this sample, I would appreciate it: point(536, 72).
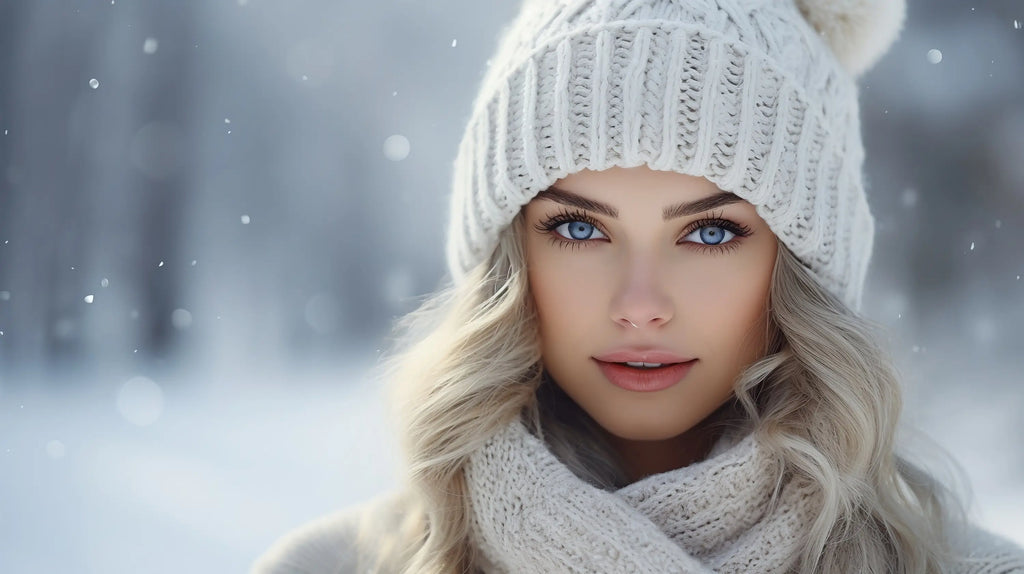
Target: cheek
point(728, 300)
point(566, 296)
point(567, 289)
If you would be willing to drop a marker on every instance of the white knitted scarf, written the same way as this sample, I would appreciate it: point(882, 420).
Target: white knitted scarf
point(530, 513)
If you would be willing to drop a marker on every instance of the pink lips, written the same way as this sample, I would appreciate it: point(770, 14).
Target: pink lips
point(644, 380)
point(640, 354)
point(674, 369)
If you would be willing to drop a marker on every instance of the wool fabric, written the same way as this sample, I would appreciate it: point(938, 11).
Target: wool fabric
point(532, 514)
point(529, 514)
point(735, 511)
point(745, 93)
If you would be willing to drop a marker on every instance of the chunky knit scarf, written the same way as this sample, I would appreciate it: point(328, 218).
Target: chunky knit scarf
point(530, 513)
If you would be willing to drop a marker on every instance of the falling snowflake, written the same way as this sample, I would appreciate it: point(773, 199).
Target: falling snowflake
point(181, 319)
point(396, 147)
point(909, 197)
point(55, 449)
point(140, 401)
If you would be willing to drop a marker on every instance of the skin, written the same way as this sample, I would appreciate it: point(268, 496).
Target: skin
point(682, 293)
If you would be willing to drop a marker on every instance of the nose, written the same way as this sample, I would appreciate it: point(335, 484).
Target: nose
point(641, 301)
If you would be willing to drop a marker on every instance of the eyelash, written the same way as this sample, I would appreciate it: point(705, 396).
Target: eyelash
point(567, 216)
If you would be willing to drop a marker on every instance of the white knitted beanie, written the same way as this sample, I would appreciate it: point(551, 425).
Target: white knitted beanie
point(757, 96)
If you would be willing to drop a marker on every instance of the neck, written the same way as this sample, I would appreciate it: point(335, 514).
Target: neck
point(642, 458)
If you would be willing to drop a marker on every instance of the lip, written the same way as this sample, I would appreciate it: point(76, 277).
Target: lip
point(649, 380)
point(642, 354)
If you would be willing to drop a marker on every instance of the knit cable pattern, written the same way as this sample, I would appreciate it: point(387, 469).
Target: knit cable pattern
point(742, 92)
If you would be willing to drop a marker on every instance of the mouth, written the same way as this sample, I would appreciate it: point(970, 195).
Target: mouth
point(642, 365)
point(643, 376)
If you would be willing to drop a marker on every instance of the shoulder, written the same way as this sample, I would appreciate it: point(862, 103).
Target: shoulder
point(989, 553)
point(329, 543)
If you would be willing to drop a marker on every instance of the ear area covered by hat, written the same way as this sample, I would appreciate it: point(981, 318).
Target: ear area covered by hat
point(859, 32)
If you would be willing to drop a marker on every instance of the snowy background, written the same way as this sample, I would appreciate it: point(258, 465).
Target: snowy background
point(211, 211)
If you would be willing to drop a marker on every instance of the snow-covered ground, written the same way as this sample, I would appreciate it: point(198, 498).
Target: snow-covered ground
point(226, 468)
point(228, 465)
point(975, 414)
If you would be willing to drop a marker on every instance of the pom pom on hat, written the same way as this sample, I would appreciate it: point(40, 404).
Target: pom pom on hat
point(859, 31)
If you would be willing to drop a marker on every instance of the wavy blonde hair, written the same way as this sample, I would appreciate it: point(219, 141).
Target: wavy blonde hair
point(824, 397)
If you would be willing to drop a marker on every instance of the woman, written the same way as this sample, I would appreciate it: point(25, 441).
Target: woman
point(650, 357)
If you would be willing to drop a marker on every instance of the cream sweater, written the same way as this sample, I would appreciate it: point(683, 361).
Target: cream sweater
point(532, 514)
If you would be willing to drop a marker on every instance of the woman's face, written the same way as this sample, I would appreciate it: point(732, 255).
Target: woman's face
point(623, 264)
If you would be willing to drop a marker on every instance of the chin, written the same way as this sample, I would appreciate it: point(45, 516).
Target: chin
point(644, 427)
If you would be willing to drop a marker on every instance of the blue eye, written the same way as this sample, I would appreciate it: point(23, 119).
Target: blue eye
point(711, 235)
point(578, 230)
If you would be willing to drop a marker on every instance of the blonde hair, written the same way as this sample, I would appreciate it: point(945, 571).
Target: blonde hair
point(824, 397)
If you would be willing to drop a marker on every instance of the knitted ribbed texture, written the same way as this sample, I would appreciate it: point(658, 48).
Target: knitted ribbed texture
point(529, 514)
point(532, 514)
point(742, 92)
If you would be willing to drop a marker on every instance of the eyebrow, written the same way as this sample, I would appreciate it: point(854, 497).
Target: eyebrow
point(670, 212)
